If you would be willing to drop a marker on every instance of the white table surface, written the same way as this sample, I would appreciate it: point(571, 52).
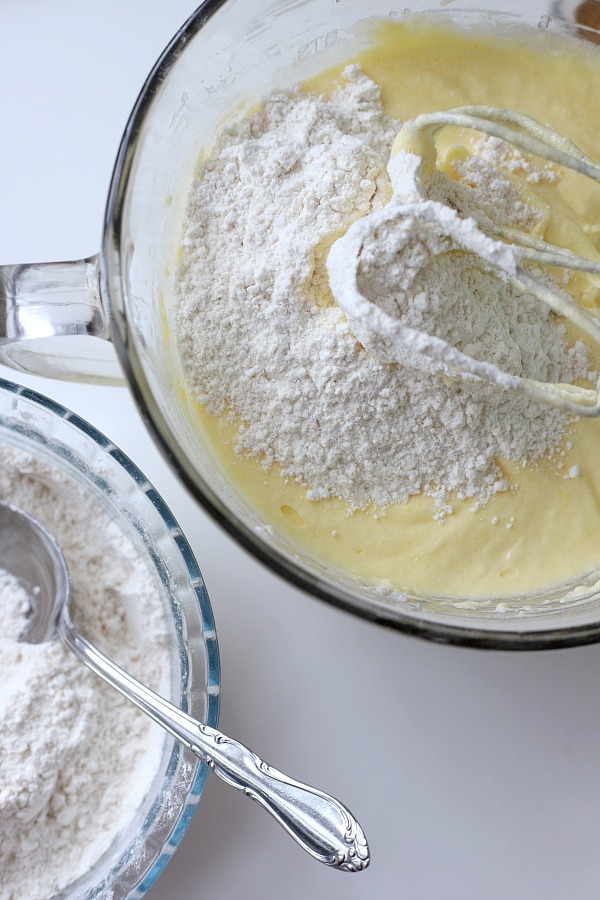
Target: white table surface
point(476, 775)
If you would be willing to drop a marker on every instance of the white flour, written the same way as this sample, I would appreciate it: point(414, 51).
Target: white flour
point(424, 276)
point(77, 759)
point(261, 339)
point(512, 160)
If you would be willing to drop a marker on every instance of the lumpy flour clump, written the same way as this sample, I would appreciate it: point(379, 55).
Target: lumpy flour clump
point(262, 340)
point(76, 758)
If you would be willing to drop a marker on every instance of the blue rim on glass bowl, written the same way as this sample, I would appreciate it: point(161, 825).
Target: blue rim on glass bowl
point(136, 858)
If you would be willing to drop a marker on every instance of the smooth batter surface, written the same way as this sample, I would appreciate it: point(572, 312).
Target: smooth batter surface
point(546, 528)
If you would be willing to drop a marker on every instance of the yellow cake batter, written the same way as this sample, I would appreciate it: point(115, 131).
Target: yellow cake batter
point(546, 529)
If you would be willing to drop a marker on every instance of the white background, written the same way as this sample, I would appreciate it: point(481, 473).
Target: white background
point(476, 775)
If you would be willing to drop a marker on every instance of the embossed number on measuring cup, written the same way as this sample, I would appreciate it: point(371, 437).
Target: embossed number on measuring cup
point(318, 44)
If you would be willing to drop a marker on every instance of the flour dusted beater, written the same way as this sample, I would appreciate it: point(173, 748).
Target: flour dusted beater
point(429, 211)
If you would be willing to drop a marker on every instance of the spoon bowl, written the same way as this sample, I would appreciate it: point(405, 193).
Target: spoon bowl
point(30, 553)
point(322, 825)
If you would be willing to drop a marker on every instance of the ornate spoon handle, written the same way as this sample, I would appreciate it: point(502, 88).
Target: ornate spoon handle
point(319, 823)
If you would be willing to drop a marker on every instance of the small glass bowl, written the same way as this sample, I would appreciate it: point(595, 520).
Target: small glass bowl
point(38, 425)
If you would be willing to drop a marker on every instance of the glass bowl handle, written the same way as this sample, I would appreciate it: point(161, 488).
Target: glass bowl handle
point(53, 322)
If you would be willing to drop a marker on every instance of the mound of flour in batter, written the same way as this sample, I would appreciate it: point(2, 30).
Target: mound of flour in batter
point(261, 339)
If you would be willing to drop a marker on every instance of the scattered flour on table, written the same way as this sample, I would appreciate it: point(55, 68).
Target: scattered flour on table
point(77, 759)
point(261, 339)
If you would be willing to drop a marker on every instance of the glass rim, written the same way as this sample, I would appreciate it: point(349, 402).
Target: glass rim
point(468, 635)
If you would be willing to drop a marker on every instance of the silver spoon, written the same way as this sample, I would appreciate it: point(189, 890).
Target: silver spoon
point(322, 825)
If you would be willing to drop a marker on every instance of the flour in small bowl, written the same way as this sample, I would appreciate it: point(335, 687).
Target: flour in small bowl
point(261, 339)
point(77, 759)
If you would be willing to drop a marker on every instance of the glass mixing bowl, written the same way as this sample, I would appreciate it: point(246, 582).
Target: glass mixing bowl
point(45, 429)
point(226, 51)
